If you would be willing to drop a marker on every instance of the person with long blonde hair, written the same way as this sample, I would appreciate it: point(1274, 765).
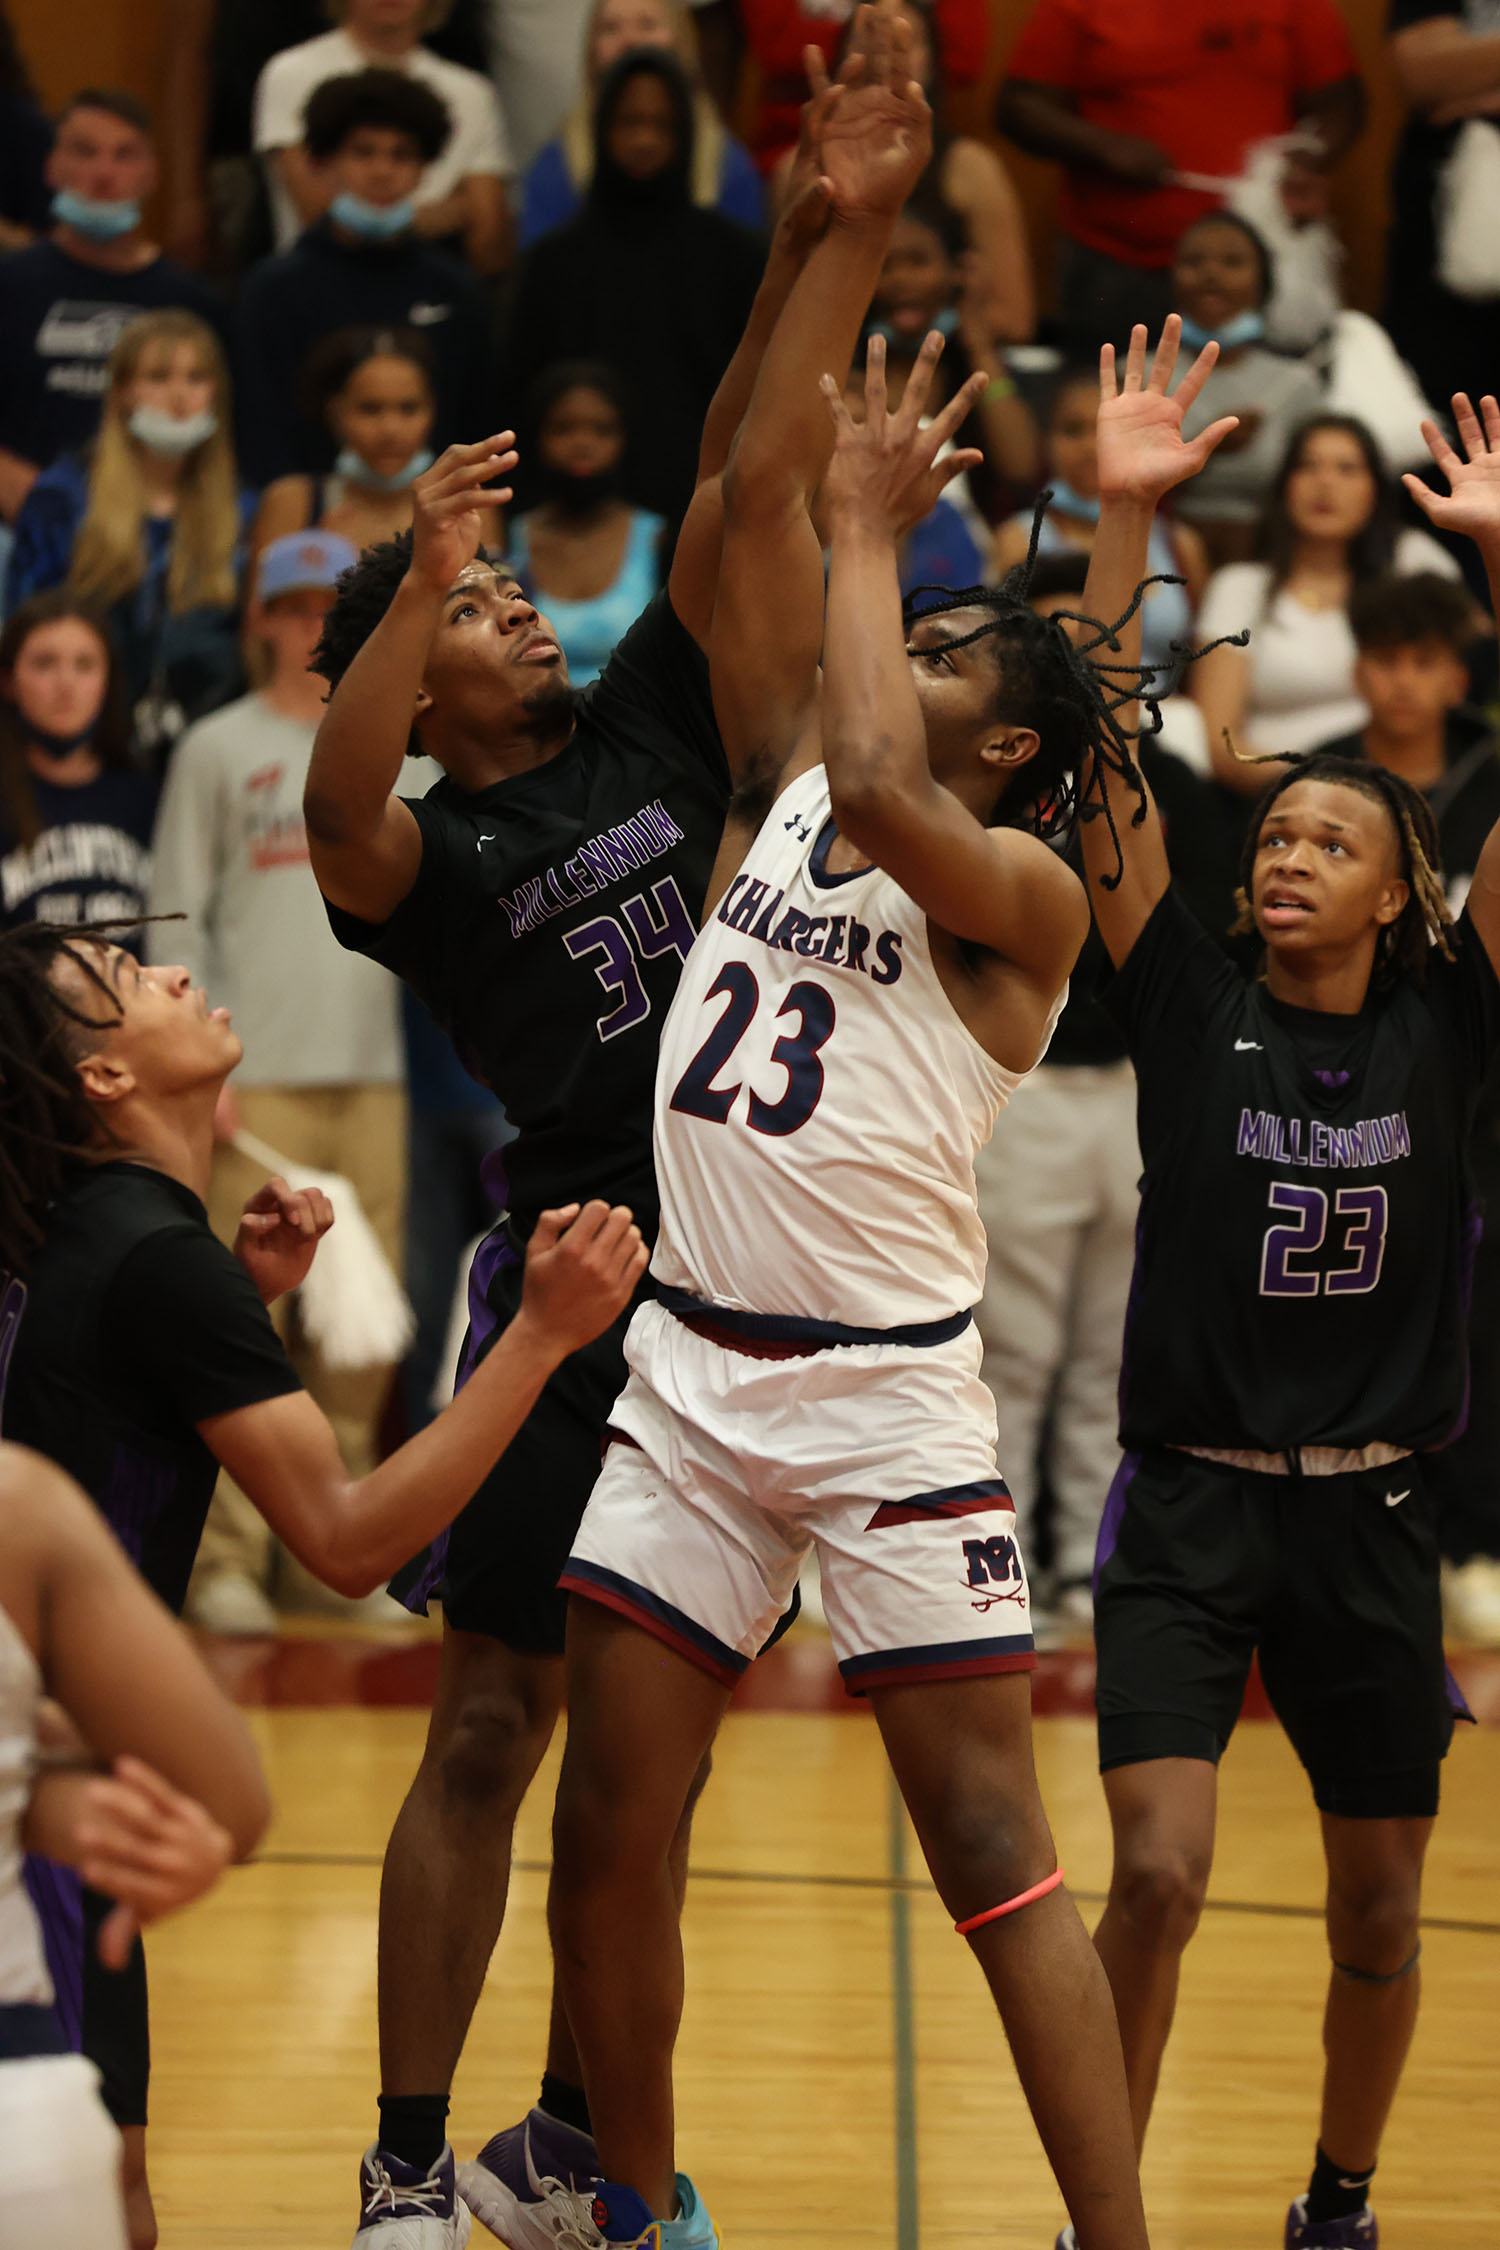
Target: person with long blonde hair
point(724, 178)
point(147, 525)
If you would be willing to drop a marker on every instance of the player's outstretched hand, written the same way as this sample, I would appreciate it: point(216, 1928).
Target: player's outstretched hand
point(885, 470)
point(581, 1266)
point(806, 204)
point(446, 525)
point(278, 1235)
point(147, 1846)
point(1142, 452)
point(877, 138)
point(1472, 502)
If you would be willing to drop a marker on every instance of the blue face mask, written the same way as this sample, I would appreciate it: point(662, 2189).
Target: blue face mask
point(355, 470)
point(372, 222)
point(96, 222)
point(1066, 502)
point(1245, 328)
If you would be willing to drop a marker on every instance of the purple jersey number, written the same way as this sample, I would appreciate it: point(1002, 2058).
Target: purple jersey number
point(656, 921)
point(1364, 1213)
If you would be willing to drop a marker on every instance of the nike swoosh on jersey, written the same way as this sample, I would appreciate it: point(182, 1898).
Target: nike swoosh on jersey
point(426, 316)
point(1244, 1046)
point(1394, 1499)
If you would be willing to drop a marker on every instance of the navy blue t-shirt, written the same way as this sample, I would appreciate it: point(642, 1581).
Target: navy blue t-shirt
point(59, 321)
point(92, 861)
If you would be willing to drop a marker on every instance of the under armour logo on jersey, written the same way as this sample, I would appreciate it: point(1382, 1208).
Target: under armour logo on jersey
point(801, 826)
point(1248, 1046)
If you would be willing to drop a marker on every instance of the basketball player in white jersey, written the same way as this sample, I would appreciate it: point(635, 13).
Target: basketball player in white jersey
point(882, 971)
point(176, 1794)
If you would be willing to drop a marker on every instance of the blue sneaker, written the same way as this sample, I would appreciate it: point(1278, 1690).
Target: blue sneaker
point(1357, 2232)
point(526, 2183)
point(401, 2208)
point(620, 2217)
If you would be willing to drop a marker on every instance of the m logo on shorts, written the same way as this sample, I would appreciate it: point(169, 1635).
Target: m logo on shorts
point(995, 1566)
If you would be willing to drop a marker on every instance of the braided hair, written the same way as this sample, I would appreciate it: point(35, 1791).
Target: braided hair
point(1406, 944)
point(47, 1122)
point(1069, 691)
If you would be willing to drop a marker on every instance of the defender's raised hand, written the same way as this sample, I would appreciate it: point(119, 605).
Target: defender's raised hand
point(877, 138)
point(886, 468)
point(278, 1235)
point(1472, 502)
point(446, 524)
point(805, 206)
point(1142, 452)
point(581, 1266)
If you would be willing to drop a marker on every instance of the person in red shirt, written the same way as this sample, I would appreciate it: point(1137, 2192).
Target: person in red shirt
point(1137, 100)
point(773, 33)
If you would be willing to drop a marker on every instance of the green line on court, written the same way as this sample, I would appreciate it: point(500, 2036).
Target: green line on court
point(908, 2219)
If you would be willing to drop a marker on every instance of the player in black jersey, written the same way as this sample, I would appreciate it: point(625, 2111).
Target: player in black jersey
point(541, 899)
point(1295, 1346)
point(141, 1356)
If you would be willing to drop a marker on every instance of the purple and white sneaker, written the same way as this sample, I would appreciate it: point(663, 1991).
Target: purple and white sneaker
point(1357, 2232)
point(525, 2184)
point(404, 2209)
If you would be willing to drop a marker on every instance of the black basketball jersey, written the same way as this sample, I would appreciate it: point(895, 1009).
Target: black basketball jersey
point(1306, 1220)
point(138, 1325)
point(552, 914)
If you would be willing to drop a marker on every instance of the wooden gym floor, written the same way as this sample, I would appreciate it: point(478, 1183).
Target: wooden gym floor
point(841, 2076)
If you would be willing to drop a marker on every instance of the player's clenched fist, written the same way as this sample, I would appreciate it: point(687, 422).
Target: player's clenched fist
point(581, 1266)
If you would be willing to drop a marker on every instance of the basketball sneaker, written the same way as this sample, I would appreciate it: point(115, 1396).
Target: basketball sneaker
point(1067, 2240)
point(1357, 2232)
point(525, 2184)
point(404, 2209)
point(617, 2216)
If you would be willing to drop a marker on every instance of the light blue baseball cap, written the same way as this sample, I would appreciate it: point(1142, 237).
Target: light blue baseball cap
point(300, 560)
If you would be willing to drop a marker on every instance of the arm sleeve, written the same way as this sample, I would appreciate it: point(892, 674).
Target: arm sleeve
point(1049, 50)
point(1322, 51)
point(185, 859)
point(1464, 996)
point(658, 671)
point(184, 1321)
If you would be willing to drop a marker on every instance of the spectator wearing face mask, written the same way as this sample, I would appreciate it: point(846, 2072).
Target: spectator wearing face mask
point(588, 559)
point(642, 278)
point(66, 299)
point(1221, 280)
point(724, 175)
point(372, 390)
point(362, 265)
point(75, 815)
point(148, 524)
point(461, 194)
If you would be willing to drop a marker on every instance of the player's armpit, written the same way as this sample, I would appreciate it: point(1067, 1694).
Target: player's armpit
point(370, 874)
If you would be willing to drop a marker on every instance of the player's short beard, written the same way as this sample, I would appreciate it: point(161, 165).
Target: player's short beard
point(547, 709)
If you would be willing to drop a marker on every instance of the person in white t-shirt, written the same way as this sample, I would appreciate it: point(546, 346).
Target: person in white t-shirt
point(322, 1077)
point(1330, 525)
point(463, 192)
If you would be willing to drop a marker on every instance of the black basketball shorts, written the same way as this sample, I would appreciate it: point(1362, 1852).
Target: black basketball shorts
point(496, 1569)
point(1332, 1581)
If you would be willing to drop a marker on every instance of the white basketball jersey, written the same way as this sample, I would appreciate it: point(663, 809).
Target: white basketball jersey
point(819, 1101)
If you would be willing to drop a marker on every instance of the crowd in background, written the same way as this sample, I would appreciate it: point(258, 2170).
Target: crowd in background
point(390, 224)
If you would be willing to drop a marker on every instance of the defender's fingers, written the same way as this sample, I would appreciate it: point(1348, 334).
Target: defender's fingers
point(584, 1231)
point(1441, 451)
point(875, 384)
point(815, 63)
point(1427, 500)
point(1471, 436)
point(549, 1227)
point(954, 464)
point(1108, 387)
point(1164, 358)
point(1204, 443)
point(1135, 358)
point(919, 383)
point(842, 418)
point(958, 409)
point(1196, 376)
point(1489, 407)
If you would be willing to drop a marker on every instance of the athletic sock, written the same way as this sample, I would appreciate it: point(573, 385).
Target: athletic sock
point(414, 2128)
point(568, 2104)
point(1334, 2193)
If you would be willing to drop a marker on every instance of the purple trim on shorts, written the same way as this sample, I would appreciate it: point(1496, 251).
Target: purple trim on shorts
point(657, 1617)
point(956, 1500)
point(136, 1492)
point(1114, 1512)
point(1457, 1701)
point(938, 1660)
point(57, 1894)
point(418, 1581)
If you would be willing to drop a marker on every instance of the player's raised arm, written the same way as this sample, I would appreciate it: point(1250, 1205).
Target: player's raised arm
point(993, 887)
point(768, 617)
point(1142, 455)
point(1472, 505)
point(364, 844)
point(581, 1267)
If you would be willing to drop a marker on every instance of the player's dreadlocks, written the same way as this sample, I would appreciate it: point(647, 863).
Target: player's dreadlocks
point(47, 1122)
point(1425, 920)
point(1068, 691)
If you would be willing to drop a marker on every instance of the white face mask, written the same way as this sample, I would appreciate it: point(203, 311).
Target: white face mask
point(163, 433)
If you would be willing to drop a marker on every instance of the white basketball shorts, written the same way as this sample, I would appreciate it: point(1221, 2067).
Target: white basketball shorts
point(726, 1465)
point(59, 2158)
